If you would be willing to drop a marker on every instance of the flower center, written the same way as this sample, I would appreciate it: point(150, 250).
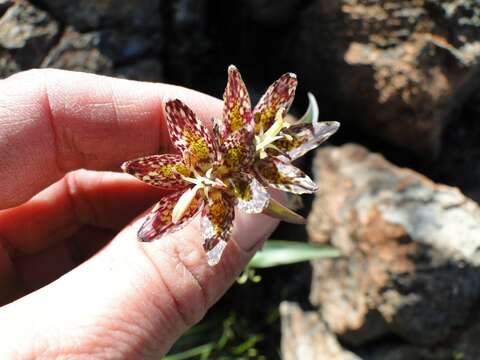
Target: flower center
point(202, 182)
point(265, 140)
point(205, 180)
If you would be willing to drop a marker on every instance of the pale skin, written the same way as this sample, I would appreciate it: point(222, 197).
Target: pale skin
point(62, 297)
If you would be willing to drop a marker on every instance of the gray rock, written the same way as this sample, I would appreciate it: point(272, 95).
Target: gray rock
point(400, 69)
point(305, 336)
point(188, 45)
point(143, 70)
point(272, 11)
point(107, 52)
point(26, 35)
point(87, 15)
point(4, 5)
point(79, 52)
point(8, 64)
point(411, 251)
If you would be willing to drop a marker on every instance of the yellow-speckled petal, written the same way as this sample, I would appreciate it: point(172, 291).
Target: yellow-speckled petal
point(159, 221)
point(279, 95)
point(284, 176)
point(164, 171)
point(251, 195)
point(238, 150)
point(189, 135)
point(303, 138)
point(217, 223)
point(237, 113)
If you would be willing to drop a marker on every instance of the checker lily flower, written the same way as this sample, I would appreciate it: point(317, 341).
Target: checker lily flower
point(278, 140)
point(231, 165)
point(206, 177)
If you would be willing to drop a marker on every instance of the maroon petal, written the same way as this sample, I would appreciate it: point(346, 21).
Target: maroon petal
point(284, 176)
point(280, 94)
point(303, 138)
point(159, 221)
point(237, 111)
point(251, 195)
point(164, 171)
point(189, 134)
point(238, 150)
point(217, 223)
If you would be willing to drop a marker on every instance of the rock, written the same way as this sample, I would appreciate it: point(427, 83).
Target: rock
point(187, 49)
point(305, 336)
point(122, 46)
point(8, 64)
point(26, 35)
point(143, 70)
point(103, 51)
point(411, 251)
point(399, 69)
point(395, 351)
point(79, 52)
point(467, 347)
point(271, 11)
point(85, 15)
point(459, 161)
point(4, 5)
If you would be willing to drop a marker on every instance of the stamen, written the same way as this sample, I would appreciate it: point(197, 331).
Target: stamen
point(278, 125)
point(264, 140)
point(184, 202)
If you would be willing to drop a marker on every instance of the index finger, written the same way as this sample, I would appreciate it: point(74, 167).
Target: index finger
point(55, 121)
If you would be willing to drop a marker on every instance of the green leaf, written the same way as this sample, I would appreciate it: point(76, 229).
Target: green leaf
point(280, 252)
point(247, 345)
point(311, 115)
point(197, 351)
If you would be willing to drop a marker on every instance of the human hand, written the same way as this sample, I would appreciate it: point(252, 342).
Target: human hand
point(113, 297)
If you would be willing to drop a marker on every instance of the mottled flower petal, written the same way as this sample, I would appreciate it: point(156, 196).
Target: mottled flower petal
point(302, 138)
point(164, 171)
point(304, 135)
point(251, 195)
point(214, 255)
point(189, 135)
point(284, 176)
point(279, 94)
point(278, 211)
point(238, 150)
point(184, 203)
point(217, 223)
point(159, 221)
point(237, 111)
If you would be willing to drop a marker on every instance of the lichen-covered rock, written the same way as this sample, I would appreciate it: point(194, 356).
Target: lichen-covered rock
point(26, 35)
point(402, 67)
point(87, 15)
point(411, 251)
point(306, 337)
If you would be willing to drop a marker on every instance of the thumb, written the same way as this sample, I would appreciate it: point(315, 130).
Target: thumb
point(130, 301)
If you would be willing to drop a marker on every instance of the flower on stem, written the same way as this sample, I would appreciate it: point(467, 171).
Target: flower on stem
point(230, 165)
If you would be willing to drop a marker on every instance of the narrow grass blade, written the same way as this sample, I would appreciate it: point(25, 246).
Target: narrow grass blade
point(280, 252)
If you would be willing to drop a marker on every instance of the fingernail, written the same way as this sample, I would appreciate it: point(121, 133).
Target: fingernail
point(251, 231)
